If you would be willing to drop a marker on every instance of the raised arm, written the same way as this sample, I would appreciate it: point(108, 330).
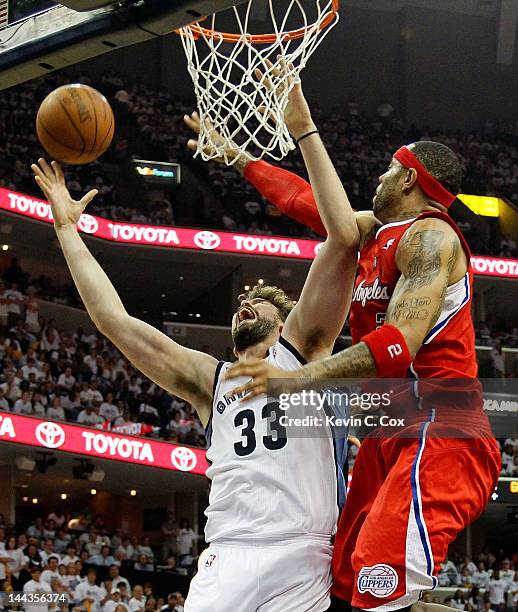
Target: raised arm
point(181, 371)
point(430, 259)
point(317, 319)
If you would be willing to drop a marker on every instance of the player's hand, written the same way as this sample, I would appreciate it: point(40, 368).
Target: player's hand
point(51, 181)
point(297, 114)
point(193, 122)
point(261, 372)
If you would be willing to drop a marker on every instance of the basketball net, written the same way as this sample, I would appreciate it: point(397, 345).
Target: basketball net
point(237, 110)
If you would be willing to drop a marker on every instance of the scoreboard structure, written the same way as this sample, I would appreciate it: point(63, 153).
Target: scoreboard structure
point(506, 492)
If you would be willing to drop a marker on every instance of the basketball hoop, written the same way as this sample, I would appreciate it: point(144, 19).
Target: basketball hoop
point(237, 110)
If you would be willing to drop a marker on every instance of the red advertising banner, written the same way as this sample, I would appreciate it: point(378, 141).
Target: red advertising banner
point(100, 443)
point(207, 240)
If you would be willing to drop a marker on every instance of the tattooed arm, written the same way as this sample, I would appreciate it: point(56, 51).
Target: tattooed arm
point(430, 258)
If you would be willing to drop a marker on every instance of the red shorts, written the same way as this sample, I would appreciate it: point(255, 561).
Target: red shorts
point(409, 498)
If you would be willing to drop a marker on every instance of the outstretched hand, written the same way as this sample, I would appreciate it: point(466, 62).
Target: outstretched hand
point(297, 114)
point(261, 372)
point(193, 122)
point(51, 181)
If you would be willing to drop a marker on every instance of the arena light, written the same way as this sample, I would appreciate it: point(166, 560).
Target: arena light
point(485, 206)
point(133, 492)
point(63, 496)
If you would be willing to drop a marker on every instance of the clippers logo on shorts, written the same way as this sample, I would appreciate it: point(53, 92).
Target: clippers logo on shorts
point(210, 560)
point(207, 240)
point(364, 293)
point(380, 580)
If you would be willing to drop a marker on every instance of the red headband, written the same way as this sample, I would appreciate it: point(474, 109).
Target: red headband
point(431, 186)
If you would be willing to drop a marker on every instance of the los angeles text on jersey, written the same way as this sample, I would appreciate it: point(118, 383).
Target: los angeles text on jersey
point(368, 420)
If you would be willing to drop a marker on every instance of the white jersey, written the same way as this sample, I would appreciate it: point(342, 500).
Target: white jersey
point(266, 487)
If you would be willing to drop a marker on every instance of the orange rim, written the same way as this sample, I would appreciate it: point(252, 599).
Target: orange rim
point(260, 39)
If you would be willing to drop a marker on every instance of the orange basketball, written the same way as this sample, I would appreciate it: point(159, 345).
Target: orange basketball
point(75, 124)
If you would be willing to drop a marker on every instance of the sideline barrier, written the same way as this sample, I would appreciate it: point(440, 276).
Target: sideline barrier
point(101, 444)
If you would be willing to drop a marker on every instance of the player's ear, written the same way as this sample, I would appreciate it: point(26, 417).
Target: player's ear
point(410, 179)
point(236, 355)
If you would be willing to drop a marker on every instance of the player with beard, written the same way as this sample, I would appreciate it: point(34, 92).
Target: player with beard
point(411, 493)
point(273, 502)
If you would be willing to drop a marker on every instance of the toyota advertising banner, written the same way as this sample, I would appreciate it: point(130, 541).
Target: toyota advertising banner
point(207, 240)
point(100, 443)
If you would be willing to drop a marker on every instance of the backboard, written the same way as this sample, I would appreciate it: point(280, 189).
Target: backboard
point(39, 36)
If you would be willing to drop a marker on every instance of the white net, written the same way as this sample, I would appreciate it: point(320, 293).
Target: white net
point(238, 111)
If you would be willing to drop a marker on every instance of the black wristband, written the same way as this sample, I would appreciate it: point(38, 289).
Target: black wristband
point(306, 135)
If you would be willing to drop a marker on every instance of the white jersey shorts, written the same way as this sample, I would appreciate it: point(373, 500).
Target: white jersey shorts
point(288, 577)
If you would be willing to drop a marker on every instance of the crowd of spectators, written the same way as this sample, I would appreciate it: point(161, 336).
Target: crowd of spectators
point(483, 583)
point(150, 124)
point(80, 377)
point(94, 569)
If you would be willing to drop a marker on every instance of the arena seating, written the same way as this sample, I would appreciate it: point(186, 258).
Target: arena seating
point(144, 576)
point(150, 125)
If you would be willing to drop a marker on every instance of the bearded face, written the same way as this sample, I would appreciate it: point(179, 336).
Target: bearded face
point(253, 323)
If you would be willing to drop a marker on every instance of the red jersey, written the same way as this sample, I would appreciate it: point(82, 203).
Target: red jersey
point(448, 351)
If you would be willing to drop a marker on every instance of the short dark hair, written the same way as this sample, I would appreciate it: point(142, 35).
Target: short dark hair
point(441, 162)
point(271, 294)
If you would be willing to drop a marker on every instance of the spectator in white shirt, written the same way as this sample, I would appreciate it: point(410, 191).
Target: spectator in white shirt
point(448, 574)
point(50, 339)
point(115, 603)
point(88, 592)
point(17, 561)
point(116, 578)
point(30, 368)
point(468, 564)
point(145, 549)
point(457, 601)
point(103, 558)
point(497, 588)
point(126, 548)
point(66, 379)
point(71, 556)
point(144, 564)
point(506, 573)
point(51, 572)
point(14, 302)
point(4, 307)
point(38, 409)
point(59, 519)
point(55, 410)
point(186, 538)
point(48, 550)
point(4, 404)
point(24, 404)
point(91, 361)
point(93, 546)
point(480, 576)
point(35, 529)
point(90, 415)
point(72, 579)
point(138, 602)
point(36, 585)
point(108, 410)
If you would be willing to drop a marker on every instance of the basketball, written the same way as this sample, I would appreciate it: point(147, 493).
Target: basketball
point(75, 124)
